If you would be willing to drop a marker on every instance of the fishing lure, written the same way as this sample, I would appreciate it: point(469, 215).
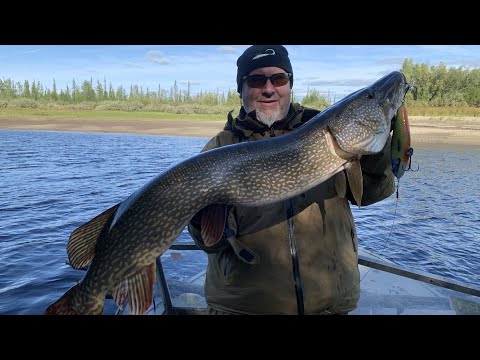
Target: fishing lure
point(401, 150)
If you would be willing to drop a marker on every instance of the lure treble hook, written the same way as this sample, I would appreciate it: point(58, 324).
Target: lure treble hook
point(409, 152)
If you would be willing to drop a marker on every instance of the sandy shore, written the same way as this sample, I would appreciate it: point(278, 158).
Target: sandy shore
point(424, 130)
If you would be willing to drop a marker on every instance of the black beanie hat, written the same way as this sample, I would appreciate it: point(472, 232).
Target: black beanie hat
point(258, 56)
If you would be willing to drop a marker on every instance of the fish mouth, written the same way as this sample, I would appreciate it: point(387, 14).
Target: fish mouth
point(395, 79)
point(383, 87)
point(390, 92)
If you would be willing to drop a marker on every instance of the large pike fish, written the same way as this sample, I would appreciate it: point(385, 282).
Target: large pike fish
point(121, 244)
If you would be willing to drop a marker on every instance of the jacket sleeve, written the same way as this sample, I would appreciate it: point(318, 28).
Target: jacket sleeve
point(378, 178)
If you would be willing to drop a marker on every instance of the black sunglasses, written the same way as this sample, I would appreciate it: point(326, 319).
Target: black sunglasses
point(259, 81)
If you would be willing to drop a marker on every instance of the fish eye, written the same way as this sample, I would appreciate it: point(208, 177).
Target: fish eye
point(370, 95)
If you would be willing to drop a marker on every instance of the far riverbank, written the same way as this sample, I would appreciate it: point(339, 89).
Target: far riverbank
point(424, 129)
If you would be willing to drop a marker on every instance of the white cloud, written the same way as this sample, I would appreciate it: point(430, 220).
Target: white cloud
point(157, 57)
point(227, 49)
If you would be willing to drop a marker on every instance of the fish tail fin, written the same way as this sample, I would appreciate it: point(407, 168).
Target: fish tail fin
point(136, 290)
point(61, 307)
point(66, 305)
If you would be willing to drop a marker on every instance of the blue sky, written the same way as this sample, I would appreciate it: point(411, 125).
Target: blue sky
point(334, 70)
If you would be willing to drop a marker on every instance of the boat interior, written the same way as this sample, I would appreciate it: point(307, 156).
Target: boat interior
point(385, 288)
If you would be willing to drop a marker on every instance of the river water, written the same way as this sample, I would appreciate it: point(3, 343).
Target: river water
point(52, 182)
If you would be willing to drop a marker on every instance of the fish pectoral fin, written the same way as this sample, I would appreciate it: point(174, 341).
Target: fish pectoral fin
point(341, 184)
point(213, 223)
point(82, 241)
point(355, 181)
point(136, 290)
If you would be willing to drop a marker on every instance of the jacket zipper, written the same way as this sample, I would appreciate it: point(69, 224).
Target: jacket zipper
point(293, 251)
point(352, 232)
point(225, 267)
point(272, 132)
point(295, 263)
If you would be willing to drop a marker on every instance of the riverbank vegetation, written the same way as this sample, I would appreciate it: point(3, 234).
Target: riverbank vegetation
point(438, 91)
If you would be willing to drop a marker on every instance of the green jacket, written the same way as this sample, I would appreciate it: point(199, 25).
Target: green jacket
point(299, 256)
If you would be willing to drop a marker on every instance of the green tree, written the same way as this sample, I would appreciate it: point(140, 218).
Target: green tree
point(233, 98)
point(315, 100)
point(26, 90)
point(34, 91)
point(111, 92)
point(54, 95)
point(99, 91)
point(88, 93)
point(105, 94)
point(121, 93)
point(76, 94)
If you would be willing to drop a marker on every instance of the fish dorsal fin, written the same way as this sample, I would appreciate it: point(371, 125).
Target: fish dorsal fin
point(136, 290)
point(213, 223)
point(82, 241)
point(355, 180)
point(341, 184)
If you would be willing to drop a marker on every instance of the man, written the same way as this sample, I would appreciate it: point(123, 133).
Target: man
point(295, 257)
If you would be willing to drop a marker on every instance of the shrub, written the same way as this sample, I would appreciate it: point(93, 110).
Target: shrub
point(23, 103)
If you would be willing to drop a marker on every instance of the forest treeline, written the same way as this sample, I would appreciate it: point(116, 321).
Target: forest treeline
point(435, 87)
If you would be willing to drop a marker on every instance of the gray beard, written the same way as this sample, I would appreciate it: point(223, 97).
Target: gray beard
point(269, 119)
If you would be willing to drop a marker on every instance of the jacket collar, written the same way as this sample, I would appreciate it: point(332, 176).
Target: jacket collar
point(248, 124)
